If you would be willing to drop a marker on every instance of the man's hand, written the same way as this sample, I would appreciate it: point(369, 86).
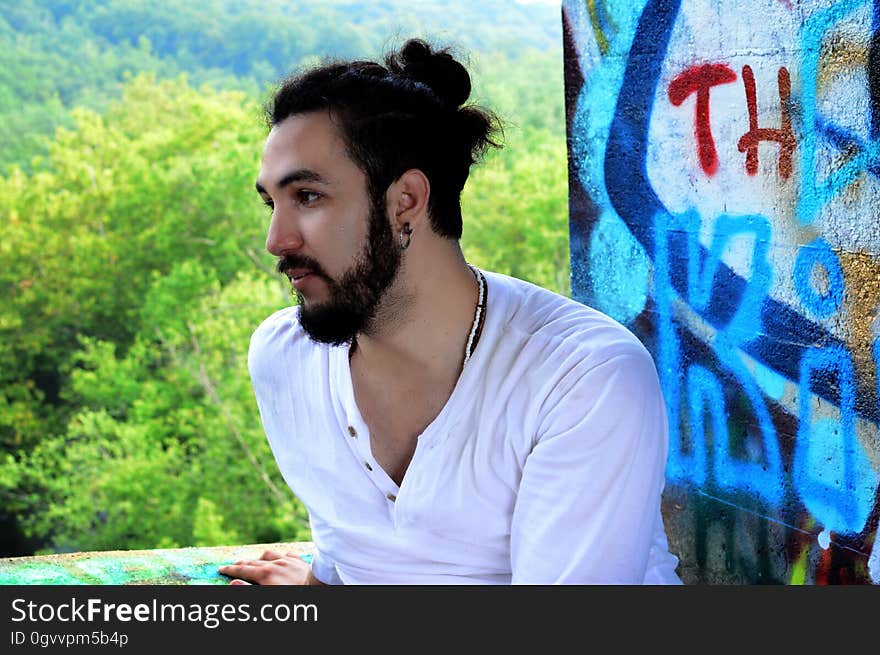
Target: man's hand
point(272, 568)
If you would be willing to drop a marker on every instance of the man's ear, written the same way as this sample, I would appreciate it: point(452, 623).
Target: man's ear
point(408, 199)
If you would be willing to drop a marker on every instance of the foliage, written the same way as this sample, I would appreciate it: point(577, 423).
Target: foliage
point(515, 206)
point(164, 432)
point(162, 177)
point(56, 55)
point(516, 215)
point(127, 301)
point(134, 268)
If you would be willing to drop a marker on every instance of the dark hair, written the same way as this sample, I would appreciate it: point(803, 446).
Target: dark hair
point(406, 114)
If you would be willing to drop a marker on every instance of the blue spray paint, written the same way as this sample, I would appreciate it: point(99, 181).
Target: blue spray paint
point(762, 477)
point(746, 319)
point(779, 345)
point(764, 401)
point(681, 466)
point(815, 193)
point(818, 253)
point(732, 473)
point(618, 269)
point(704, 393)
point(874, 74)
point(832, 475)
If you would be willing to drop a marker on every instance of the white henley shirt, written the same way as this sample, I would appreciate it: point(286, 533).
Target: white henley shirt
point(546, 465)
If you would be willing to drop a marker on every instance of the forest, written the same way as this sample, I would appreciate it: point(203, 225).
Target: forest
point(133, 244)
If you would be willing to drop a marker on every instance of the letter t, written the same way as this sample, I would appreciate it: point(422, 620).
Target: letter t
point(699, 79)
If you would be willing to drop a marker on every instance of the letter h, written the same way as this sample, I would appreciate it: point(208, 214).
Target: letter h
point(784, 136)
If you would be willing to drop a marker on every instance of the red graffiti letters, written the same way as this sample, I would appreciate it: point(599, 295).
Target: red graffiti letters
point(784, 136)
point(699, 80)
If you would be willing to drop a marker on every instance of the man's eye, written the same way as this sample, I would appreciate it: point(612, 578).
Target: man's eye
point(307, 197)
point(269, 204)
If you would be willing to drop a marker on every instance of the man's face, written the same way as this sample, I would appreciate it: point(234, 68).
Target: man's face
point(335, 245)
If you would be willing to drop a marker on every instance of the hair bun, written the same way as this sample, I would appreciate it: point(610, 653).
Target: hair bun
point(438, 70)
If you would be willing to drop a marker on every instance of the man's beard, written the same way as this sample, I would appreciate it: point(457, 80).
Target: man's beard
point(354, 300)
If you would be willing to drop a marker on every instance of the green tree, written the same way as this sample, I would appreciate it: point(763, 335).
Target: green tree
point(135, 276)
point(137, 218)
point(516, 204)
point(163, 433)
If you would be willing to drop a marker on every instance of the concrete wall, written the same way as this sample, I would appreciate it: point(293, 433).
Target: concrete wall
point(175, 566)
point(724, 198)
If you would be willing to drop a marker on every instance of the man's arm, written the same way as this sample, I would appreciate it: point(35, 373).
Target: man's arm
point(589, 496)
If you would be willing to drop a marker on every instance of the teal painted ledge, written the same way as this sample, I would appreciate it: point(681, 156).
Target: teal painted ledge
point(177, 566)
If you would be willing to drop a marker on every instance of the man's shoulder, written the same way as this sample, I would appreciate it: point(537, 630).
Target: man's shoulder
point(278, 338)
point(562, 326)
point(276, 326)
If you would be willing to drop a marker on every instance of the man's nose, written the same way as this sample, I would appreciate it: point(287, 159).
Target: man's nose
point(284, 234)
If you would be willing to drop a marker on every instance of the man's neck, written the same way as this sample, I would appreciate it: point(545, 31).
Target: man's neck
point(424, 323)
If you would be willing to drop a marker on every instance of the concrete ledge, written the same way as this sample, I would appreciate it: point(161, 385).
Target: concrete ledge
point(177, 566)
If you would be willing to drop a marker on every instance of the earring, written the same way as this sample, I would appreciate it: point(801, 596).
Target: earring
point(405, 233)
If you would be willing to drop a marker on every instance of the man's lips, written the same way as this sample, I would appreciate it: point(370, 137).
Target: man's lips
point(297, 273)
point(300, 277)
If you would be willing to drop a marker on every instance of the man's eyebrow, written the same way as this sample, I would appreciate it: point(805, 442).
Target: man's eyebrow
point(301, 175)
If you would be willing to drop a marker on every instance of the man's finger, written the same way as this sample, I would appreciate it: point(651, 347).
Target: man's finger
point(239, 570)
point(238, 582)
point(269, 555)
point(252, 573)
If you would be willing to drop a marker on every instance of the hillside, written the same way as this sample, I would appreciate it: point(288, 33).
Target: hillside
point(59, 54)
point(132, 240)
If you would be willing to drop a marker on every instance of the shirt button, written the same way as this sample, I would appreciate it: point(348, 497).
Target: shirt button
point(391, 497)
point(352, 431)
point(367, 464)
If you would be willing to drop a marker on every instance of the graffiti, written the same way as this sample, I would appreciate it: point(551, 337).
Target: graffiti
point(822, 305)
point(784, 136)
point(815, 193)
point(835, 483)
point(704, 388)
point(699, 80)
point(183, 566)
point(874, 71)
point(596, 22)
point(760, 292)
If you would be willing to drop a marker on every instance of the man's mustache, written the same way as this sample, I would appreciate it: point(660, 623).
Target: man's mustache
point(299, 261)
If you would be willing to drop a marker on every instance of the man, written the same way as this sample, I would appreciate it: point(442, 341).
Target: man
point(441, 424)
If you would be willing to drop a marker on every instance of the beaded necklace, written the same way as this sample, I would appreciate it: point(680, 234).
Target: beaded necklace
point(479, 316)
